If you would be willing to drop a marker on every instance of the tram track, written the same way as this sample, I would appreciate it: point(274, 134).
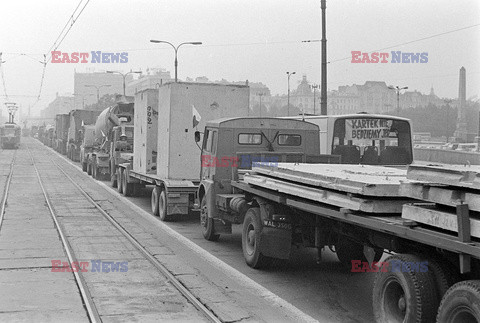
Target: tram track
point(6, 189)
point(88, 302)
point(85, 294)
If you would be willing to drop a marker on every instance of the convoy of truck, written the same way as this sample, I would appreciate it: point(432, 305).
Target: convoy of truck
point(78, 120)
point(313, 181)
point(113, 143)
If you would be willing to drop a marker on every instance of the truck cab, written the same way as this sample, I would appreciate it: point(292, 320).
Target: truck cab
point(230, 146)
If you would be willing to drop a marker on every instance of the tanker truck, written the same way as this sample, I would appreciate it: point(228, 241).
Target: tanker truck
point(113, 142)
point(78, 119)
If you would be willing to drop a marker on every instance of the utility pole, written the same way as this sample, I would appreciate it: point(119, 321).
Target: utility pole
point(323, 103)
point(260, 95)
point(314, 87)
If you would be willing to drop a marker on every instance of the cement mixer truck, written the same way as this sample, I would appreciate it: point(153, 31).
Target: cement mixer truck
point(78, 119)
point(113, 140)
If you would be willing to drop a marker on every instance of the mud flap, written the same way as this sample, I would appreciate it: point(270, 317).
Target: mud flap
point(275, 242)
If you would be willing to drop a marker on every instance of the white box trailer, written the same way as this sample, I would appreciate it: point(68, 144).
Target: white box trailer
point(146, 131)
point(183, 108)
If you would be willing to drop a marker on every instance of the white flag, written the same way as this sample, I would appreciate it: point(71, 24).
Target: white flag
point(196, 116)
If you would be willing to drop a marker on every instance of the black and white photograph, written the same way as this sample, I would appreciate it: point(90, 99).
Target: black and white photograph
point(240, 161)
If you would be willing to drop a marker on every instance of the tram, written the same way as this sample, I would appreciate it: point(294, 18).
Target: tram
point(10, 134)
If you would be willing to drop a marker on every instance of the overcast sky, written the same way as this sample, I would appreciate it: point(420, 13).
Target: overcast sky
point(255, 40)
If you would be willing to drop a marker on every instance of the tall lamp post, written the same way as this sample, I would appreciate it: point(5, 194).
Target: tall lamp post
point(176, 50)
point(98, 89)
point(124, 76)
point(314, 87)
point(398, 89)
point(83, 99)
point(260, 95)
point(288, 93)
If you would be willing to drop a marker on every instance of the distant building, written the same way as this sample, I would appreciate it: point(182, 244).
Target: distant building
point(60, 105)
point(153, 78)
point(85, 95)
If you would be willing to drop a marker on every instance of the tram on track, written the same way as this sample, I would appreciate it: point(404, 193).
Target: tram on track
point(10, 134)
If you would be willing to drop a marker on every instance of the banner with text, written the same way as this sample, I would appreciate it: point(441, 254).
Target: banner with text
point(370, 129)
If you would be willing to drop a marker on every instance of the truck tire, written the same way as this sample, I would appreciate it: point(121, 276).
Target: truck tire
point(113, 177)
point(94, 169)
point(127, 188)
point(84, 166)
point(461, 303)
point(89, 168)
point(348, 250)
point(207, 223)
point(154, 200)
point(119, 180)
point(251, 239)
point(404, 295)
point(443, 274)
point(162, 206)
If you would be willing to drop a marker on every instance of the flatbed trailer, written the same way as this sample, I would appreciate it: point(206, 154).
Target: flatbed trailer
point(448, 289)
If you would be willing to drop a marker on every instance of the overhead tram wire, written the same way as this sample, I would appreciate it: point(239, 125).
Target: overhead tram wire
point(2, 75)
point(410, 42)
point(66, 24)
point(73, 20)
point(57, 43)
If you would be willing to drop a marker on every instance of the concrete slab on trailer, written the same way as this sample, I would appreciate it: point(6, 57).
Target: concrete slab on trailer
point(453, 175)
point(431, 215)
point(441, 194)
point(357, 179)
point(330, 197)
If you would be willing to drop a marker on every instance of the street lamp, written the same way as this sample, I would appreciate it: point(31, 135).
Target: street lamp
point(83, 99)
point(314, 87)
point(398, 89)
point(124, 76)
point(260, 95)
point(98, 89)
point(176, 50)
point(288, 95)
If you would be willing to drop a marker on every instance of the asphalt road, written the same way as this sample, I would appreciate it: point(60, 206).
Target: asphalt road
point(326, 291)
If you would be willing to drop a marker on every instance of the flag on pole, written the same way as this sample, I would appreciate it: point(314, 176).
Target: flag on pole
point(196, 116)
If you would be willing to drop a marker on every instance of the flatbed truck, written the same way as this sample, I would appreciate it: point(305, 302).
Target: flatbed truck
point(439, 275)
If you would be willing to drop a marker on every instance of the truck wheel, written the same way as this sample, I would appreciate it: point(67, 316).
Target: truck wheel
point(444, 275)
point(207, 223)
point(89, 168)
point(154, 200)
point(127, 188)
point(119, 180)
point(348, 250)
point(461, 303)
point(113, 177)
point(403, 294)
point(84, 166)
point(162, 206)
point(251, 242)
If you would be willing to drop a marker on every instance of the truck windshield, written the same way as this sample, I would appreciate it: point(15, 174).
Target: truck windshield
point(372, 141)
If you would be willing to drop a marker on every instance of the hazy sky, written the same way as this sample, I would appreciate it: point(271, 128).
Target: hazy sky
point(255, 40)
